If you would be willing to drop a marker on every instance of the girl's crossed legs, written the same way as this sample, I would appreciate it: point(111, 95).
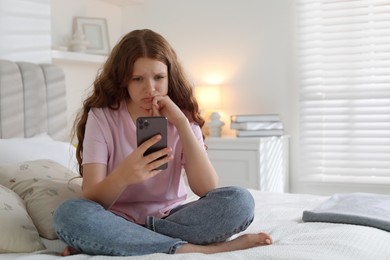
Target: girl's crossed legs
point(200, 226)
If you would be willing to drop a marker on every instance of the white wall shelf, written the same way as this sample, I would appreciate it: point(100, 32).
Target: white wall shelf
point(67, 56)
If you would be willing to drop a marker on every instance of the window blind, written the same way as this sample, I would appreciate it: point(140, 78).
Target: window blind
point(344, 77)
point(25, 29)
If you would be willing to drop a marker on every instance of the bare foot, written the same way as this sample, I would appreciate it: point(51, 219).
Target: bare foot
point(242, 242)
point(69, 251)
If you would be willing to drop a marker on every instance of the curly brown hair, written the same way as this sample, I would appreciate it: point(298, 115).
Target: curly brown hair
point(110, 85)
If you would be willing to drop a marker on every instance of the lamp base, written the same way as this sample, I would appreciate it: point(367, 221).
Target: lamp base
point(215, 124)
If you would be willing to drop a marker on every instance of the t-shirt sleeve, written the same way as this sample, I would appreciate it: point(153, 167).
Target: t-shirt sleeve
point(95, 145)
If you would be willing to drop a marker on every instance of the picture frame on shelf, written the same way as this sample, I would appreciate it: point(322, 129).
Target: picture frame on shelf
point(96, 33)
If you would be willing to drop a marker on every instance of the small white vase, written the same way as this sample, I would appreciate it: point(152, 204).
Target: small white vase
point(78, 42)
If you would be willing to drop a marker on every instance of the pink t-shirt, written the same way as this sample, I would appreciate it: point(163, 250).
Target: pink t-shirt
point(110, 136)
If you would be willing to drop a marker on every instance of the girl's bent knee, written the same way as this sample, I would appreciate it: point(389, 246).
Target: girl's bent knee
point(235, 199)
point(240, 196)
point(244, 197)
point(68, 207)
point(70, 210)
point(63, 210)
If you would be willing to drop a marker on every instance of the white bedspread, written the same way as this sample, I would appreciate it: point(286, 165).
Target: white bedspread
point(281, 216)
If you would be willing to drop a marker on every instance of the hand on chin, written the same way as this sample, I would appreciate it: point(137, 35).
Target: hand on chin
point(153, 110)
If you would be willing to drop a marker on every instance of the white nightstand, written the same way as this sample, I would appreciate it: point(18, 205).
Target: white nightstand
point(252, 162)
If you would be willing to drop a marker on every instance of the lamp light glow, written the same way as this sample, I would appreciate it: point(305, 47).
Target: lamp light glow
point(209, 99)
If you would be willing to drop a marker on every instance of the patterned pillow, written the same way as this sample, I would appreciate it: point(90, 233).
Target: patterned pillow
point(18, 233)
point(43, 185)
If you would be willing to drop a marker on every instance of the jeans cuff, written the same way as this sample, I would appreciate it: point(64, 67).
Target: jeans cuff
point(149, 223)
point(178, 244)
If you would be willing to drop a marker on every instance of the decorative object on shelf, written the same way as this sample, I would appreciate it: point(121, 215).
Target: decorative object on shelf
point(215, 124)
point(209, 99)
point(257, 125)
point(78, 43)
point(96, 32)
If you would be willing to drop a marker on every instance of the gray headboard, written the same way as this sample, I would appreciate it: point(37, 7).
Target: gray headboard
point(32, 100)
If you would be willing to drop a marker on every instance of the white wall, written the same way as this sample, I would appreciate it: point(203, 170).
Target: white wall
point(248, 44)
point(63, 13)
point(80, 76)
point(245, 45)
point(251, 46)
point(241, 42)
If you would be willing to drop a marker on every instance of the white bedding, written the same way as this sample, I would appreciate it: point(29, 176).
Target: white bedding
point(280, 215)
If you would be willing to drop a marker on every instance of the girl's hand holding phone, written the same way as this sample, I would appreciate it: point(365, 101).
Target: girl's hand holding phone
point(155, 159)
point(147, 127)
point(144, 167)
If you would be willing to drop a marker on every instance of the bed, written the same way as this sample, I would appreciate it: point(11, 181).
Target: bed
point(38, 170)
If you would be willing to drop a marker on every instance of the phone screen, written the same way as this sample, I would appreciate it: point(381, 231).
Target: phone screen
point(148, 127)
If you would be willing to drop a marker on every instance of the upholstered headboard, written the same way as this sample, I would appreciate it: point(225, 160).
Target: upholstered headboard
point(32, 100)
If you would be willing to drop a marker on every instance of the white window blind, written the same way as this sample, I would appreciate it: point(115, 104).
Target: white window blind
point(344, 77)
point(25, 29)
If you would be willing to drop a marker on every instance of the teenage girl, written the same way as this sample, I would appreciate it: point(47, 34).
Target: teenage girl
point(128, 207)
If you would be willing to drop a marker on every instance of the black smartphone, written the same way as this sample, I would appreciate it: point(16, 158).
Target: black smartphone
point(148, 127)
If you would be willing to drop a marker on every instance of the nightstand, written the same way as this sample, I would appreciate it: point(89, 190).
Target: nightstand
point(259, 163)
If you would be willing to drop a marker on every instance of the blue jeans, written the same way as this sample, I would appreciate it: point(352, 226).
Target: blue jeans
point(88, 227)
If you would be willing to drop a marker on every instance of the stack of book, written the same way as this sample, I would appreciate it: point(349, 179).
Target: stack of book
point(257, 125)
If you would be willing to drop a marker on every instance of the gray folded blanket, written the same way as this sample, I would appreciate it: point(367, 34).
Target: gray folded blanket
point(365, 209)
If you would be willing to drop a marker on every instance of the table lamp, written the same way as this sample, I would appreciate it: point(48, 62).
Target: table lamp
point(209, 100)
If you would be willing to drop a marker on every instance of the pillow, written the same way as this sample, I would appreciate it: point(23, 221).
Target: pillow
point(43, 185)
point(39, 147)
point(18, 233)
